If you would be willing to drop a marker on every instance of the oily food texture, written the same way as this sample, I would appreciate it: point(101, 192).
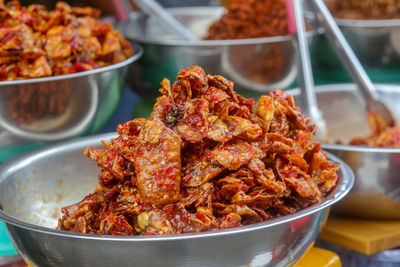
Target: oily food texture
point(365, 9)
point(35, 42)
point(205, 159)
point(382, 135)
point(250, 19)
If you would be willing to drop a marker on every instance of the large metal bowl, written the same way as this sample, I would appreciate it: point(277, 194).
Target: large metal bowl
point(376, 191)
point(59, 107)
point(35, 186)
point(237, 60)
point(375, 42)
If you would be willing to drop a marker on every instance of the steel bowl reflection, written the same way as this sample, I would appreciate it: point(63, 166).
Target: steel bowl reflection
point(376, 191)
point(375, 42)
point(64, 106)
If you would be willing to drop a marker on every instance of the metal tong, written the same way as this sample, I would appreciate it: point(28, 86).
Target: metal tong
point(305, 77)
point(151, 7)
point(351, 62)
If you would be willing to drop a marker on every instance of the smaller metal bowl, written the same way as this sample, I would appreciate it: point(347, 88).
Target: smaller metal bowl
point(64, 106)
point(258, 64)
point(376, 192)
point(375, 42)
point(34, 187)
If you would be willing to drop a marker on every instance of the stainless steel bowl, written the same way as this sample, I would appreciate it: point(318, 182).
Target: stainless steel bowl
point(376, 191)
point(59, 107)
point(375, 42)
point(35, 186)
point(237, 60)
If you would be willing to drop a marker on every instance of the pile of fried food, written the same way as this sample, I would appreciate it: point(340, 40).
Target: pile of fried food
point(205, 159)
point(35, 42)
point(382, 134)
point(254, 19)
point(365, 9)
point(250, 19)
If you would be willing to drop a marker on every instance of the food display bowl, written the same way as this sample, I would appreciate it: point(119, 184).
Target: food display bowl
point(34, 186)
point(59, 107)
point(376, 191)
point(258, 64)
point(375, 42)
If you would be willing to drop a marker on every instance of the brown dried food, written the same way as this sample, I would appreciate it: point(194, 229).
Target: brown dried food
point(381, 134)
point(250, 19)
point(365, 9)
point(254, 19)
point(158, 163)
point(37, 43)
point(204, 161)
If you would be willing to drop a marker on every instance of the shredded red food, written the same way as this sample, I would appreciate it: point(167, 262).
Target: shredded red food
point(205, 159)
point(382, 135)
point(254, 19)
point(250, 19)
point(36, 43)
point(365, 9)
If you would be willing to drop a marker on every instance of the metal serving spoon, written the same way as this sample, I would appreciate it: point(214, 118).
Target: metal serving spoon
point(305, 78)
point(123, 10)
point(151, 7)
point(351, 62)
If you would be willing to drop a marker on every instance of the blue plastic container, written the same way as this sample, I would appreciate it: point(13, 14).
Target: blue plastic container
point(6, 247)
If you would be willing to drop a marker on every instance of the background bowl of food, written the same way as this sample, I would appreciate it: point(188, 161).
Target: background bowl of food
point(62, 72)
point(373, 156)
point(231, 43)
point(199, 182)
point(372, 30)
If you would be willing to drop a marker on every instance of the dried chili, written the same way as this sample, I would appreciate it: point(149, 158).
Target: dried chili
point(250, 19)
point(365, 9)
point(205, 159)
point(36, 43)
point(382, 135)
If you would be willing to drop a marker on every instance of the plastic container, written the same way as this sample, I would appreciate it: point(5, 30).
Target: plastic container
point(351, 258)
point(6, 247)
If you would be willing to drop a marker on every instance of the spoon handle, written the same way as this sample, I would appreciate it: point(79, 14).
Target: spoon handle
point(305, 77)
point(153, 8)
point(343, 50)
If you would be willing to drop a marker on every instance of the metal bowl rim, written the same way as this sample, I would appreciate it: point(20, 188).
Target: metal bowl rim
point(138, 52)
point(262, 40)
point(345, 87)
point(369, 23)
point(343, 188)
point(232, 42)
point(362, 149)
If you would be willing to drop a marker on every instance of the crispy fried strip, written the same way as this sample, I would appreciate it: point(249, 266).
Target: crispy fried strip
point(204, 161)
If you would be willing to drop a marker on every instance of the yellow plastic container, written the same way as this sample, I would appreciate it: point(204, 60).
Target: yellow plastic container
point(318, 257)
